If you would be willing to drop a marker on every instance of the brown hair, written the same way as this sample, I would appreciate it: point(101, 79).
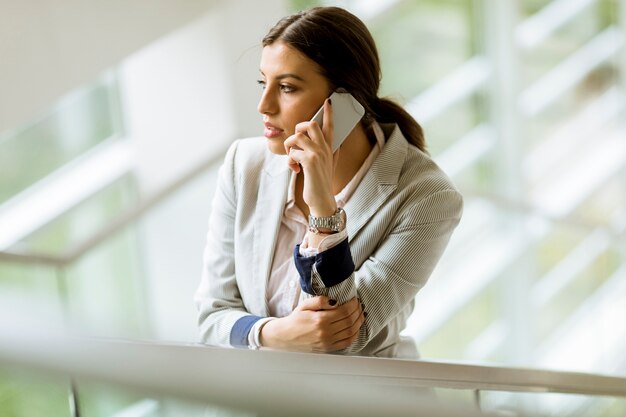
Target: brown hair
point(340, 43)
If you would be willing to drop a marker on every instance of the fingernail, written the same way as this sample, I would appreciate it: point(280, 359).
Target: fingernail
point(332, 302)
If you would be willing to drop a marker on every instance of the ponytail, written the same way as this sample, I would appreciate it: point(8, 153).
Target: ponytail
point(386, 111)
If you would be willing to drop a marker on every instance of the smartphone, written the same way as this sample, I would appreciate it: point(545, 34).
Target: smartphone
point(347, 112)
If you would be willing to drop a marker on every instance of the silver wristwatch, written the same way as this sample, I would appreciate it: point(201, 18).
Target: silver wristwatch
point(332, 224)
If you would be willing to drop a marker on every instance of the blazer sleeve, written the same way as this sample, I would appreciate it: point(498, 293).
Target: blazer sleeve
point(222, 316)
point(393, 274)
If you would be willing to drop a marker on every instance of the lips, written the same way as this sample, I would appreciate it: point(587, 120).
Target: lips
point(271, 131)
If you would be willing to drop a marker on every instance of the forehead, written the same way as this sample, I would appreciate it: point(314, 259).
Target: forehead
point(279, 58)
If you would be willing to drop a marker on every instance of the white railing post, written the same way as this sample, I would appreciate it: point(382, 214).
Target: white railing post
point(621, 10)
point(64, 297)
point(501, 20)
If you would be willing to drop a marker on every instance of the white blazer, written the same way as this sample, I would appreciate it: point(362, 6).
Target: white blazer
point(400, 219)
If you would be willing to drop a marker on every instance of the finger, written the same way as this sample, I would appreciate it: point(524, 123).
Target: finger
point(336, 159)
point(347, 322)
point(347, 337)
point(298, 141)
point(294, 166)
point(354, 330)
point(303, 127)
point(347, 309)
point(293, 148)
point(320, 302)
point(343, 314)
point(329, 123)
point(296, 155)
point(293, 162)
point(312, 130)
point(314, 303)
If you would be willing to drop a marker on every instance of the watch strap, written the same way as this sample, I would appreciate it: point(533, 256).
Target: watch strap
point(328, 224)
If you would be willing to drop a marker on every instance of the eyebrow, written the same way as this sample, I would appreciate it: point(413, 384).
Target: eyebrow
point(288, 75)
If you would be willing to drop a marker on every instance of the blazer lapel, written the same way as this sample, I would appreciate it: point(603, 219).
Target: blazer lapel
point(268, 215)
point(377, 185)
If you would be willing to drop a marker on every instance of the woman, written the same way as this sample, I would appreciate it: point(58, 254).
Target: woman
point(272, 280)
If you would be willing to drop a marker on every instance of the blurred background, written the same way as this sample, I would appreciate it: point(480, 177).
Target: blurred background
point(114, 118)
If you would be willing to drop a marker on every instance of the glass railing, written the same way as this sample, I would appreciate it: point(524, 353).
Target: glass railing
point(75, 125)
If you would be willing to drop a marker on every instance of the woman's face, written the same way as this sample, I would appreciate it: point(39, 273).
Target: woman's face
point(293, 91)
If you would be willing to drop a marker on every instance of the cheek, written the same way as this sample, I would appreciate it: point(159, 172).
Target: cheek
point(297, 113)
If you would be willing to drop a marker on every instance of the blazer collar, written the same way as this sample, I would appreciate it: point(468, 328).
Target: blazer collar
point(277, 164)
point(273, 185)
point(378, 183)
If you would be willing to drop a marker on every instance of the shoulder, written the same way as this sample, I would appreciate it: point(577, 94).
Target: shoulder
point(412, 167)
point(422, 181)
point(250, 150)
point(250, 156)
point(431, 188)
point(421, 171)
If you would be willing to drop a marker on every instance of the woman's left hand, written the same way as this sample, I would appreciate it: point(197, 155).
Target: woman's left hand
point(310, 149)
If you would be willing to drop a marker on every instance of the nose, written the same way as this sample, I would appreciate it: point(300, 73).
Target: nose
point(267, 103)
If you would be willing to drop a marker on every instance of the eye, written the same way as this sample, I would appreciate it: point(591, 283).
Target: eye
point(261, 83)
point(286, 88)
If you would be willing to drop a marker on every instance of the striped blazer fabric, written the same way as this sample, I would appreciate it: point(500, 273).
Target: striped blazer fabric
point(400, 219)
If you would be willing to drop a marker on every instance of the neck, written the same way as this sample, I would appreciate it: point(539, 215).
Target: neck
point(352, 154)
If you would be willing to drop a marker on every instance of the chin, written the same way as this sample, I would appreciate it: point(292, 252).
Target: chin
point(276, 146)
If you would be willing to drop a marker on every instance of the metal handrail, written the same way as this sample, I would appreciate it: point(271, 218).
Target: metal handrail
point(115, 226)
point(191, 371)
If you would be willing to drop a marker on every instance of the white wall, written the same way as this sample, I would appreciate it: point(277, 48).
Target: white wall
point(186, 97)
point(176, 101)
point(49, 47)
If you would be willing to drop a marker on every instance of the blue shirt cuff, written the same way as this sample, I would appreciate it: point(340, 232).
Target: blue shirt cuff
point(334, 266)
point(240, 330)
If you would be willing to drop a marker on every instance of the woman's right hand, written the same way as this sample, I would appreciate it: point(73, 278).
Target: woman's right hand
point(315, 326)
